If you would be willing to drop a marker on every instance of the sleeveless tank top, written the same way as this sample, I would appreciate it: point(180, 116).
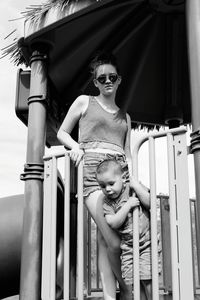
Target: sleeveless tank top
point(102, 129)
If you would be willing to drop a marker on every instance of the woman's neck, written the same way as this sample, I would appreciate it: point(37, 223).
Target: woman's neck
point(108, 101)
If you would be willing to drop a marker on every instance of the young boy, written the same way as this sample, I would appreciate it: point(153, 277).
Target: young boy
point(117, 210)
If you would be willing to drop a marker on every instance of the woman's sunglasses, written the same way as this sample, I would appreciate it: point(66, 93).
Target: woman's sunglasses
point(103, 78)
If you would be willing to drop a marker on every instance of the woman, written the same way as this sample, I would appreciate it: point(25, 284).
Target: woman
point(104, 133)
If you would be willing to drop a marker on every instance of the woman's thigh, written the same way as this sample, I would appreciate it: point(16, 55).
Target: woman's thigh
point(94, 204)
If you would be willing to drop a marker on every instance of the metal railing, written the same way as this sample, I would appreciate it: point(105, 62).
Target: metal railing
point(181, 269)
point(180, 222)
point(49, 229)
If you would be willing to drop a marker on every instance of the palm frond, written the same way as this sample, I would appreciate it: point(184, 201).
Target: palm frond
point(36, 15)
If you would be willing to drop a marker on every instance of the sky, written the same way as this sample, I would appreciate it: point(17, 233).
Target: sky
point(13, 133)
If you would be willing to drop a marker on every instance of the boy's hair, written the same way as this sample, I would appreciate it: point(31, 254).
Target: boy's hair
point(103, 58)
point(108, 164)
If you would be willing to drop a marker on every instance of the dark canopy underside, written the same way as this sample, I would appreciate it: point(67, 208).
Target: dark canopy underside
point(150, 44)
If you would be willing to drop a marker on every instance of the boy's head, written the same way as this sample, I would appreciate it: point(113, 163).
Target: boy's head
point(110, 177)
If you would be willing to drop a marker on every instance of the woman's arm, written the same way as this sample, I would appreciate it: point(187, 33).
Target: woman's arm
point(74, 113)
point(117, 219)
point(127, 147)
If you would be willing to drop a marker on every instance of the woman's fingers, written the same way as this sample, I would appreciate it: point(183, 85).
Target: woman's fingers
point(76, 156)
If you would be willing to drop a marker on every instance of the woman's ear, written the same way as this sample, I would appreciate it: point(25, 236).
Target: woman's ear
point(119, 79)
point(95, 82)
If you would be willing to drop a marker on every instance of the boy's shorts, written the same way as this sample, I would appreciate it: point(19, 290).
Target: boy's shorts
point(145, 264)
point(91, 161)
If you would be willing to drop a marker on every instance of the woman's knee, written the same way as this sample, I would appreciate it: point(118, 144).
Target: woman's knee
point(100, 239)
point(113, 245)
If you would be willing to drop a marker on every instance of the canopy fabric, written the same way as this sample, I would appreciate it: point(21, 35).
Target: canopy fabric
point(150, 45)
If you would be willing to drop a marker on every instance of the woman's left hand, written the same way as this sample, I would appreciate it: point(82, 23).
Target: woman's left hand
point(76, 155)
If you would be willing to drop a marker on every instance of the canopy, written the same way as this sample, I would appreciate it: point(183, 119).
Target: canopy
point(149, 41)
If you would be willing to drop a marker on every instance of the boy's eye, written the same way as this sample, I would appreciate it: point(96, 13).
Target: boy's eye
point(111, 183)
point(102, 186)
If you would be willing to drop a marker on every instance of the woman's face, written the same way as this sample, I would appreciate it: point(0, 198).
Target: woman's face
point(107, 80)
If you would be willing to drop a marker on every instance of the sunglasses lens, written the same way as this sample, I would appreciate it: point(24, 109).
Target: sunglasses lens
point(103, 78)
point(113, 77)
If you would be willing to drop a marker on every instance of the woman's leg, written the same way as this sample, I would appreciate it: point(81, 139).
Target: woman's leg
point(111, 246)
point(107, 276)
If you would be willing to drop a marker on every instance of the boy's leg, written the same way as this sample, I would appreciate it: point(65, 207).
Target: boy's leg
point(94, 204)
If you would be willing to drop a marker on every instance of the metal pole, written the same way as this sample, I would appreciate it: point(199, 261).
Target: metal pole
point(193, 34)
point(30, 277)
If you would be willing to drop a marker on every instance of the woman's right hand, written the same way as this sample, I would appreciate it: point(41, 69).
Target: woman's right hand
point(76, 154)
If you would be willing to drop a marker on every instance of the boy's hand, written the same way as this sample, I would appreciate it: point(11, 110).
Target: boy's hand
point(133, 202)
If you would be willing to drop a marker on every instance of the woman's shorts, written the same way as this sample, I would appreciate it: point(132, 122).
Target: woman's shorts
point(91, 161)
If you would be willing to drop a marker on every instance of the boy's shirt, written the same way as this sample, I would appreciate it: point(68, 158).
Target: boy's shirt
point(126, 230)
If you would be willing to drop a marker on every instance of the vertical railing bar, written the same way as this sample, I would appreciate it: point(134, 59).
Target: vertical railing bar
point(53, 226)
point(89, 254)
point(80, 233)
point(67, 229)
point(192, 238)
point(136, 265)
point(97, 255)
point(46, 254)
point(172, 200)
point(154, 235)
point(196, 237)
point(136, 260)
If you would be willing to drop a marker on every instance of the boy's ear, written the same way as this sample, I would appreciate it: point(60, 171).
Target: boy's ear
point(124, 178)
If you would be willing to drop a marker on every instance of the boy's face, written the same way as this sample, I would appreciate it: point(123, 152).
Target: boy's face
point(111, 183)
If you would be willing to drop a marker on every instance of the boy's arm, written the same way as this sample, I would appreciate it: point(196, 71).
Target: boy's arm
point(141, 191)
point(115, 220)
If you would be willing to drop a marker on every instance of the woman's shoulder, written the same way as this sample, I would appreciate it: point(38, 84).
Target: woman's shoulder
point(81, 101)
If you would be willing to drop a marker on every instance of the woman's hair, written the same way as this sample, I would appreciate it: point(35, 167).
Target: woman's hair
point(102, 58)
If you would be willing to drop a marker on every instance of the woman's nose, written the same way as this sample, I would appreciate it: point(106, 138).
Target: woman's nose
point(107, 79)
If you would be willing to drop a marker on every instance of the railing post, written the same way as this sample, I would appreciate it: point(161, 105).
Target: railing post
point(67, 229)
point(49, 231)
point(153, 207)
point(136, 263)
point(80, 287)
point(173, 222)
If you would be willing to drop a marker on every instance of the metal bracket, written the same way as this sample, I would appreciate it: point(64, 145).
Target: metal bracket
point(33, 171)
point(37, 98)
point(38, 57)
point(195, 141)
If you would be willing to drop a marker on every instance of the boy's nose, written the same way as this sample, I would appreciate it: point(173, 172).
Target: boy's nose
point(107, 188)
